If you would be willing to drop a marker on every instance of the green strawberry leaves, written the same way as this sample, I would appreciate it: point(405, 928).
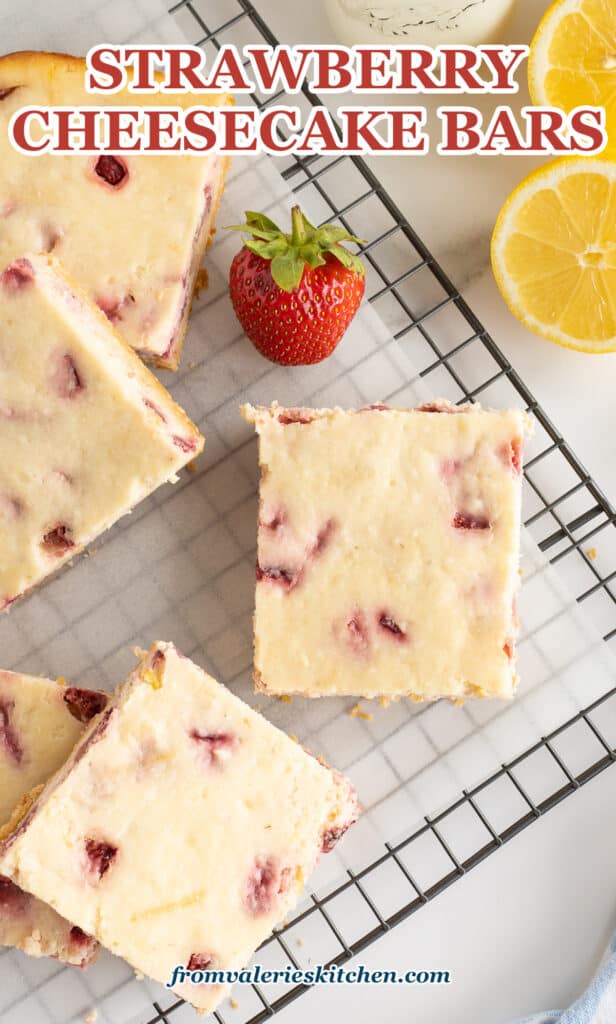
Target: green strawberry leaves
point(305, 246)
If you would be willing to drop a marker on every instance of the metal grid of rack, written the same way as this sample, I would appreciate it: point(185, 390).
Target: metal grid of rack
point(569, 512)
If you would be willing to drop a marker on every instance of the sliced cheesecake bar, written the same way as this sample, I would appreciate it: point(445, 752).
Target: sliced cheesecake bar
point(388, 550)
point(87, 430)
point(131, 229)
point(40, 723)
point(182, 828)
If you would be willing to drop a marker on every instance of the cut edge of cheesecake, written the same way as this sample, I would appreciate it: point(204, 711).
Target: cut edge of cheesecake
point(205, 228)
point(174, 426)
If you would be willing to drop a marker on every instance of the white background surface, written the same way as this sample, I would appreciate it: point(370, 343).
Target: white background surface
point(525, 930)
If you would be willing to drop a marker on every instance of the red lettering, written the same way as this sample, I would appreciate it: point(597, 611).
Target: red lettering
point(269, 129)
point(122, 123)
point(277, 66)
point(319, 133)
point(199, 125)
point(228, 73)
point(185, 65)
point(544, 130)
point(20, 129)
point(332, 70)
point(459, 63)
point(359, 130)
point(103, 60)
point(502, 129)
point(504, 70)
point(405, 135)
point(162, 130)
point(582, 124)
point(374, 65)
point(68, 127)
point(144, 64)
point(416, 65)
point(238, 125)
point(460, 133)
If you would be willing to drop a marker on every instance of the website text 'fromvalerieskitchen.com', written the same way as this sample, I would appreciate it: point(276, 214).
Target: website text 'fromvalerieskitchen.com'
point(318, 975)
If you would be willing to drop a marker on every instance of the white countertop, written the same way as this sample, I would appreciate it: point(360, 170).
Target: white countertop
point(523, 931)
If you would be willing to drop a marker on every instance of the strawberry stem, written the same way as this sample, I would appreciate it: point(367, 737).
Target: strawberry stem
point(298, 228)
point(305, 246)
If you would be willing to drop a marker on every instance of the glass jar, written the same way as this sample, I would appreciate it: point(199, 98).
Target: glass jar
point(427, 22)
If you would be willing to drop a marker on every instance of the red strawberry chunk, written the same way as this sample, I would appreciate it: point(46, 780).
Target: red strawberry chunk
point(66, 379)
point(9, 739)
point(19, 274)
point(294, 416)
point(264, 884)
point(508, 648)
point(151, 405)
point(463, 521)
point(511, 455)
point(84, 704)
point(355, 632)
point(58, 541)
point(200, 961)
point(101, 855)
point(113, 308)
point(13, 900)
point(215, 746)
point(185, 444)
point(332, 835)
point(389, 625)
point(78, 937)
point(276, 574)
point(111, 169)
point(277, 520)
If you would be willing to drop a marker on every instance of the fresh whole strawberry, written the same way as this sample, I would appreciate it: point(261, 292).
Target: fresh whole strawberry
point(295, 294)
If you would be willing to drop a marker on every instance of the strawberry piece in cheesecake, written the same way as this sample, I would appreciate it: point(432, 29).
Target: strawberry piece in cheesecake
point(182, 828)
point(131, 229)
point(388, 550)
point(87, 430)
point(40, 723)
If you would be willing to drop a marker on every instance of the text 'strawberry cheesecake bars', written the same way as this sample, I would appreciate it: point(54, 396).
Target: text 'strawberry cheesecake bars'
point(40, 723)
point(130, 228)
point(87, 430)
point(182, 827)
point(388, 550)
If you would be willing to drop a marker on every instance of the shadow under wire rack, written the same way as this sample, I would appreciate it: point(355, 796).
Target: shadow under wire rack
point(569, 512)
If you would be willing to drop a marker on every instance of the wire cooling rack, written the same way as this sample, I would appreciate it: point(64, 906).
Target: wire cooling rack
point(181, 567)
point(569, 515)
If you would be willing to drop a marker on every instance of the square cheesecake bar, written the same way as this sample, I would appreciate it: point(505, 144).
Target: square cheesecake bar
point(87, 430)
point(388, 551)
point(131, 229)
point(40, 723)
point(181, 829)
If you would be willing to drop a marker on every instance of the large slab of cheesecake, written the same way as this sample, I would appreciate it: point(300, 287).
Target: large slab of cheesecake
point(40, 723)
point(181, 829)
point(131, 229)
point(87, 430)
point(388, 550)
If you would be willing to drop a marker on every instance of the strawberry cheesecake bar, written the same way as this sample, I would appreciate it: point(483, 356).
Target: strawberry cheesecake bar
point(131, 229)
point(388, 551)
point(87, 430)
point(40, 723)
point(181, 829)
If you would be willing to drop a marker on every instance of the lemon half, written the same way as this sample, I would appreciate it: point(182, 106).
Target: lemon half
point(554, 253)
point(572, 59)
